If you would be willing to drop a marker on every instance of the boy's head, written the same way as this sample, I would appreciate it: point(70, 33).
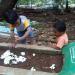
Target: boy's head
point(59, 27)
point(11, 17)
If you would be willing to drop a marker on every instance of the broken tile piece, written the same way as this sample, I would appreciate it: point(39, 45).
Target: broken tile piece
point(23, 53)
point(9, 56)
point(34, 54)
point(52, 66)
point(33, 69)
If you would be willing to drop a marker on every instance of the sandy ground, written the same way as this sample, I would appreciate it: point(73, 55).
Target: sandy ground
point(16, 71)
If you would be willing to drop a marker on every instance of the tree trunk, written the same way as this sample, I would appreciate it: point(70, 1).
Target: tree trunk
point(66, 4)
point(6, 5)
point(67, 8)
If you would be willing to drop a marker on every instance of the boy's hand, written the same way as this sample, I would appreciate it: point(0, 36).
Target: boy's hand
point(12, 45)
point(53, 45)
point(17, 39)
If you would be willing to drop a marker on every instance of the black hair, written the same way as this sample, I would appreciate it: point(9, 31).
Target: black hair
point(11, 16)
point(60, 26)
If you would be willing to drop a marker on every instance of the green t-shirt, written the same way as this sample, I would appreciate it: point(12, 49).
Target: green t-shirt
point(69, 59)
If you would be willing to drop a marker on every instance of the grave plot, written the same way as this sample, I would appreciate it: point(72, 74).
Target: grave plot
point(31, 57)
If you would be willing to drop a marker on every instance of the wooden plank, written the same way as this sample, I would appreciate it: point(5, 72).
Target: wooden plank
point(4, 35)
point(17, 71)
point(33, 47)
point(44, 49)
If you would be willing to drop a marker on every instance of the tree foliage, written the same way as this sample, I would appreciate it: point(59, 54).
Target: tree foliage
point(56, 4)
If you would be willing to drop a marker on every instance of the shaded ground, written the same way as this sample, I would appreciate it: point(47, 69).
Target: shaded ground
point(46, 34)
point(46, 20)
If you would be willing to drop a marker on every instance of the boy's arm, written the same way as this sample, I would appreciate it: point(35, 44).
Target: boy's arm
point(11, 30)
point(55, 46)
point(26, 24)
point(26, 34)
point(59, 44)
point(12, 36)
point(11, 27)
